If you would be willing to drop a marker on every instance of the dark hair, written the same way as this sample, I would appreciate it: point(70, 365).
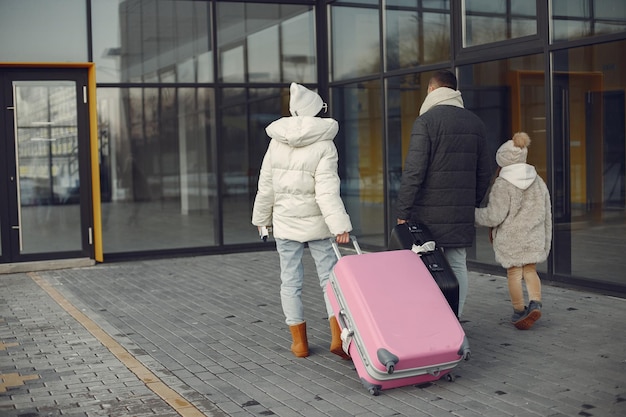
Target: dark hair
point(443, 78)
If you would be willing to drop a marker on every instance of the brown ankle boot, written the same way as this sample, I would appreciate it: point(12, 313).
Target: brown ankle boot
point(300, 345)
point(335, 343)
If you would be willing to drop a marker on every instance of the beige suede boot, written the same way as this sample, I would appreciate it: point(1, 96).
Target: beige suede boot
point(300, 345)
point(335, 343)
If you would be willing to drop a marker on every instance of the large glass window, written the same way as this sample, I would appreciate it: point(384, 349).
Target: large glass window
point(355, 42)
point(157, 168)
point(372, 2)
point(405, 95)
point(266, 42)
point(264, 55)
point(298, 44)
point(574, 19)
point(358, 109)
point(152, 41)
point(46, 128)
point(509, 96)
point(246, 114)
point(486, 21)
point(589, 132)
point(43, 31)
point(417, 33)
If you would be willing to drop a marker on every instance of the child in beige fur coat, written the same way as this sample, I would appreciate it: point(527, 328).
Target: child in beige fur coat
point(519, 213)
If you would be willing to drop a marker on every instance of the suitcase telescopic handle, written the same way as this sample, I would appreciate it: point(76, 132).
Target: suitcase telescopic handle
point(346, 332)
point(333, 241)
point(341, 319)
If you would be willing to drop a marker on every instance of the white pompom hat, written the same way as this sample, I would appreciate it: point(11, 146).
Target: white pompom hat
point(304, 102)
point(513, 151)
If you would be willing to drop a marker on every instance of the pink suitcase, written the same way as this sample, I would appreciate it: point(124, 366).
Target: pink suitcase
point(396, 323)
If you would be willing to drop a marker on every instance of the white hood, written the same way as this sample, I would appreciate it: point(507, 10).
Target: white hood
point(299, 131)
point(520, 175)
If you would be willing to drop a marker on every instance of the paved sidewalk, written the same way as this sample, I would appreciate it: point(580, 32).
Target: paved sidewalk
point(205, 336)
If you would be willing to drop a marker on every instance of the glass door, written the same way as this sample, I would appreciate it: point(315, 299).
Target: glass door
point(45, 174)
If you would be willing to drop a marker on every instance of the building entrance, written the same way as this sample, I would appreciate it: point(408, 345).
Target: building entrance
point(44, 170)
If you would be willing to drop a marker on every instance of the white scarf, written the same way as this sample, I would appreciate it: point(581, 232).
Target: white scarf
point(442, 95)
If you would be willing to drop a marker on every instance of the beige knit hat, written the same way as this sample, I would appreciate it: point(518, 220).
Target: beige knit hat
point(513, 151)
point(304, 102)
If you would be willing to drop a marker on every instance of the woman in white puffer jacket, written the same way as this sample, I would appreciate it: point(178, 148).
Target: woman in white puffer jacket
point(299, 197)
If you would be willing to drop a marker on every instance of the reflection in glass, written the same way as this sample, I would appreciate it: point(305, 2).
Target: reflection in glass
point(232, 64)
point(158, 146)
point(405, 95)
point(266, 42)
point(354, 56)
point(299, 61)
point(574, 19)
point(237, 187)
point(43, 31)
point(372, 2)
point(431, 4)
point(263, 55)
point(487, 21)
point(135, 41)
point(49, 182)
point(360, 147)
point(509, 96)
point(590, 162)
point(416, 36)
point(246, 115)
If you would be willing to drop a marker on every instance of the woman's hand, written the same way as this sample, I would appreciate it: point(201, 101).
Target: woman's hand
point(343, 238)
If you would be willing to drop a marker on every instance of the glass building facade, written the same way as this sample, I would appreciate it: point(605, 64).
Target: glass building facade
point(185, 89)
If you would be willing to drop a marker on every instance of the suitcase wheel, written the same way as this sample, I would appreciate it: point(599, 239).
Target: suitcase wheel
point(465, 352)
point(373, 389)
point(388, 359)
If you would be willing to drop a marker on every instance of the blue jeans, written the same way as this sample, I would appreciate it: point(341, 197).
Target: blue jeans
point(457, 258)
point(292, 274)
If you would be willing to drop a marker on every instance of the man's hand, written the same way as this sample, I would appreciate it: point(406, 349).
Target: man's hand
point(343, 238)
point(401, 221)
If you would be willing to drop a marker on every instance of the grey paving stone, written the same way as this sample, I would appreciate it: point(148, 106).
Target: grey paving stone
point(223, 345)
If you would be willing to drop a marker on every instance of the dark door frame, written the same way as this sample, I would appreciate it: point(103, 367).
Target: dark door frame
point(92, 245)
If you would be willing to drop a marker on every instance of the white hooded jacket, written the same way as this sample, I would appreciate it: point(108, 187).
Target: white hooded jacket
point(299, 188)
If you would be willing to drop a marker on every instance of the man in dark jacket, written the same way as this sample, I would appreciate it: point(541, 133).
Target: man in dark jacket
point(446, 174)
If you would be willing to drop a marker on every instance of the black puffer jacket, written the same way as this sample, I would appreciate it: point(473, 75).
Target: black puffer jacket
point(446, 174)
